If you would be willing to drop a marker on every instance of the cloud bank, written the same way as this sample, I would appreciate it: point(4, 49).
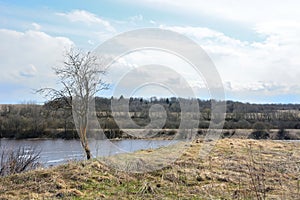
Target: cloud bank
point(27, 58)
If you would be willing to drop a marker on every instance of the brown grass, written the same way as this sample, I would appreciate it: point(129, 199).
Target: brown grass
point(235, 169)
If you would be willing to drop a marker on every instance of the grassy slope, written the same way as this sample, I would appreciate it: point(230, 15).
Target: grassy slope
point(229, 172)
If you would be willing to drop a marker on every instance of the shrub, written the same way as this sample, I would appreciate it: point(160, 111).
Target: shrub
point(17, 161)
point(227, 134)
point(258, 135)
point(281, 134)
point(259, 131)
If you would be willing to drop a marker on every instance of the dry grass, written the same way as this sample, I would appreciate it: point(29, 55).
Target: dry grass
point(235, 169)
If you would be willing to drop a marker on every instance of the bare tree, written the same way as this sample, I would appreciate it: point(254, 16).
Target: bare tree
point(81, 77)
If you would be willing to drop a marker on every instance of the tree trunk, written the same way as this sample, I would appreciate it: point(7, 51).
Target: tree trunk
point(87, 152)
point(84, 143)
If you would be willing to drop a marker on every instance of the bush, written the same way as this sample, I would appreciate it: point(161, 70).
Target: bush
point(281, 134)
point(259, 131)
point(227, 134)
point(259, 126)
point(67, 135)
point(243, 124)
point(203, 124)
point(17, 161)
point(259, 135)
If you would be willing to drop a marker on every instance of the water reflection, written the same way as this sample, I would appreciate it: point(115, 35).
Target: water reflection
point(55, 152)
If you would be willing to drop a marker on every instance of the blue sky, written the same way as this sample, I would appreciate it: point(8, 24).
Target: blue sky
point(254, 45)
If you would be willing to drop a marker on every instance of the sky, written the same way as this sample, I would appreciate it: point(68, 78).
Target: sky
point(254, 45)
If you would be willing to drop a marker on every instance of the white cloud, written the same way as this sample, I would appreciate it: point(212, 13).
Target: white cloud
point(29, 71)
point(244, 11)
point(87, 18)
point(27, 58)
point(269, 67)
point(159, 67)
point(137, 18)
point(36, 26)
point(91, 42)
point(153, 22)
point(214, 41)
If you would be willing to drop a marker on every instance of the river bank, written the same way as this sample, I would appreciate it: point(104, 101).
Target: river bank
point(54, 152)
point(156, 134)
point(234, 169)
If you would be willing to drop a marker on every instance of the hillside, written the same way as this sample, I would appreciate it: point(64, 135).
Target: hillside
point(235, 169)
point(54, 119)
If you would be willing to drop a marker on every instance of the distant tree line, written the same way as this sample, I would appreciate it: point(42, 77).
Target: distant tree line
point(35, 121)
point(54, 119)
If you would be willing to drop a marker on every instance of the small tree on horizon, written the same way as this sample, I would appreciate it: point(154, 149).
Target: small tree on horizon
point(260, 131)
point(81, 77)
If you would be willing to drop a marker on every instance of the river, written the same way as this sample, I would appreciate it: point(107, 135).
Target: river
point(58, 151)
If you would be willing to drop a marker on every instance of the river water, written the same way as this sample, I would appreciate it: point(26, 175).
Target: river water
point(58, 151)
